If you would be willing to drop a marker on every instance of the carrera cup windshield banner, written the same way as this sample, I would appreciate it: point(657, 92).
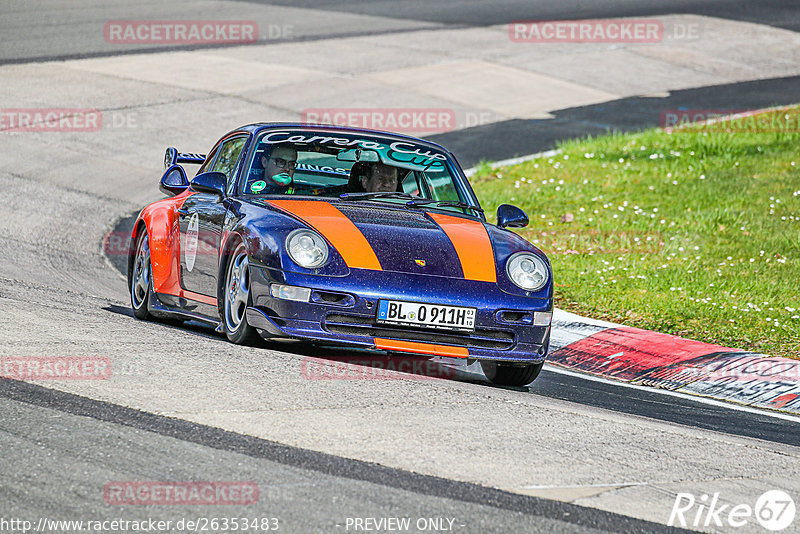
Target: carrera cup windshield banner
point(402, 154)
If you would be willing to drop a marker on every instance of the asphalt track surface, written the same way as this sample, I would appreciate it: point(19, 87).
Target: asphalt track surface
point(60, 448)
point(62, 31)
point(67, 33)
point(338, 487)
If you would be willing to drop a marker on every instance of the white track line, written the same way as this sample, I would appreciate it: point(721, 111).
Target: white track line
point(612, 485)
point(514, 161)
point(697, 398)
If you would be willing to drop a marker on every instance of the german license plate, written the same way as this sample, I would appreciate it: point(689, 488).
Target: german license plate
point(426, 315)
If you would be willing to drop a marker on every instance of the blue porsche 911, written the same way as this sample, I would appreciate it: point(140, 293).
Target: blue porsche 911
point(343, 237)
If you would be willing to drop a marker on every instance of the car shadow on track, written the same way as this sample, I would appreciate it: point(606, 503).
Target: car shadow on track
point(321, 362)
point(195, 327)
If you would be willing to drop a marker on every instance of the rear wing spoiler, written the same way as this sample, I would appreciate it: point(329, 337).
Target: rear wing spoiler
point(173, 157)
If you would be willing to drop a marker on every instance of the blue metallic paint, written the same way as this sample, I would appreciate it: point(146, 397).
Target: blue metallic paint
point(398, 245)
point(367, 287)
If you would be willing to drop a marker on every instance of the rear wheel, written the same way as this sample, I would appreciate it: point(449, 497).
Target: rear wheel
point(503, 374)
point(141, 280)
point(236, 299)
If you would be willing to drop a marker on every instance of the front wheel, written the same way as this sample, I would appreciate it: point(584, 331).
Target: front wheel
point(236, 299)
point(503, 374)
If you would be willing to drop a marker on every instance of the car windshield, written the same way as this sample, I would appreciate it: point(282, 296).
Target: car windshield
point(353, 167)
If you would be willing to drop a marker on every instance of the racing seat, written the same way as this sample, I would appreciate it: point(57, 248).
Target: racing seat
point(359, 169)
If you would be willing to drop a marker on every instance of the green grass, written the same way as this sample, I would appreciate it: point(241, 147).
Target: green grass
point(694, 233)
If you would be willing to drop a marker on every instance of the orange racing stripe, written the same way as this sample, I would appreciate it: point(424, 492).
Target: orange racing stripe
point(421, 348)
point(334, 225)
point(472, 245)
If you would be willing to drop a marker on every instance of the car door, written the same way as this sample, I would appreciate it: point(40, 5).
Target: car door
point(201, 221)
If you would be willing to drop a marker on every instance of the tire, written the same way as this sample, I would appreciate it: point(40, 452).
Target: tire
point(236, 298)
point(141, 278)
point(511, 375)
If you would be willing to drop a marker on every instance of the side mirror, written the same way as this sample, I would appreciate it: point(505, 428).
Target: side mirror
point(509, 216)
point(210, 182)
point(174, 181)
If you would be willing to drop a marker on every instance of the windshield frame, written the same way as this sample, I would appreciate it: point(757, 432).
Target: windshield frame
point(451, 166)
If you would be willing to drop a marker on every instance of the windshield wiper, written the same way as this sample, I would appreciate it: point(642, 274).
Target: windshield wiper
point(413, 200)
point(377, 194)
point(443, 203)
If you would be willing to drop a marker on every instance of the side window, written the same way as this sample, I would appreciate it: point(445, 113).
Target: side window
point(442, 189)
point(228, 157)
point(208, 162)
point(414, 184)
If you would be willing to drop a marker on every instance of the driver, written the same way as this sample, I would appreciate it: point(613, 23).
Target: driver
point(279, 167)
point(380, 178)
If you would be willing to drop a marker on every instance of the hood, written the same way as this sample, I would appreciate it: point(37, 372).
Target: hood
point(400, 239)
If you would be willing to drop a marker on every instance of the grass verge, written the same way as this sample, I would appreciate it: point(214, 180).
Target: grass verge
point(694, 233)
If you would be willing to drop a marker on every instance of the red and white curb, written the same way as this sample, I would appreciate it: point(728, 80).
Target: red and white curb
point(646, 358)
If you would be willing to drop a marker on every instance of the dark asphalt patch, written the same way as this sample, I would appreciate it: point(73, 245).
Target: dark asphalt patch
point(778, 13)
point(520, 137)
point(136, 49)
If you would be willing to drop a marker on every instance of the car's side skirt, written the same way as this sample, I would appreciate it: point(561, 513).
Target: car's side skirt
point(173, 306)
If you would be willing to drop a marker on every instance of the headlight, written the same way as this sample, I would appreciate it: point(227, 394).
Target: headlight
point(307, 249)
point(527, 270)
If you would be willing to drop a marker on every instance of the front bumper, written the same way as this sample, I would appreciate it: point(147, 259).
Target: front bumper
point(342, 311)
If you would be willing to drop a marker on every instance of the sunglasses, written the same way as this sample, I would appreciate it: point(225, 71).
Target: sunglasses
point(283, 163)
